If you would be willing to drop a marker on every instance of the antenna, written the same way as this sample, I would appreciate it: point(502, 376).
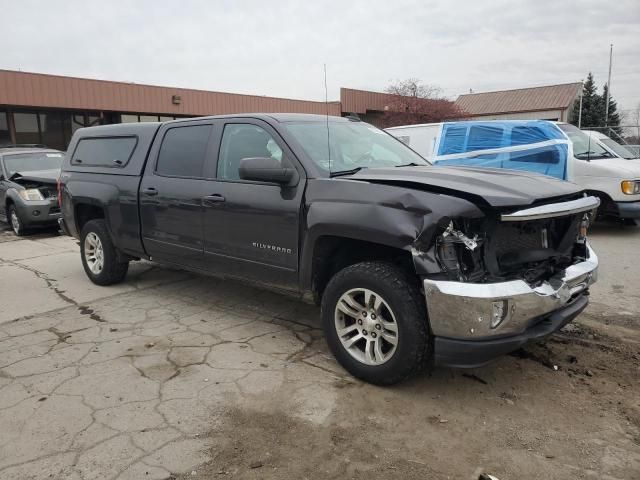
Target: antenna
point(326, 102)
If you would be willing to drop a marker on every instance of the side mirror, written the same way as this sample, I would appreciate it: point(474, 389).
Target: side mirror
point(261, 169)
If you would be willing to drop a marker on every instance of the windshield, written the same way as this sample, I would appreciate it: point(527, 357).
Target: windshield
point(354, 145)
point(30, 162)
point(619, 150)
point(584, 147)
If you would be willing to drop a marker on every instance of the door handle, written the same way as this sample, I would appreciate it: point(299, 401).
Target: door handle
point(215, 198)
point(150, 191)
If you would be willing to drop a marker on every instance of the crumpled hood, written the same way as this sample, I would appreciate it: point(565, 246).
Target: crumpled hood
point(498, 187)
point(37, 176)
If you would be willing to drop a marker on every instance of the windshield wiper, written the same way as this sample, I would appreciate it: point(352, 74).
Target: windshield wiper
point(411, 164)
point(340, 173)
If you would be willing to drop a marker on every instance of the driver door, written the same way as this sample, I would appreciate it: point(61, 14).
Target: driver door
point(251, 229)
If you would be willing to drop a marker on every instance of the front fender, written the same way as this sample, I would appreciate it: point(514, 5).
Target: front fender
point(393, 216)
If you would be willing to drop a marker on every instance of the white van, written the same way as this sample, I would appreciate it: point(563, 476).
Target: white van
point(557, 149)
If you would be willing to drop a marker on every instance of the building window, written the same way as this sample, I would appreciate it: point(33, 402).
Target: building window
point(133, 118)
point(52, 131)
point(5, 137)
point(128, 118)
point(27, 130)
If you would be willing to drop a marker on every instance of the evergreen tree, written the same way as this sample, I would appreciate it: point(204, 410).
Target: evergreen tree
point(592, 106)
point(614, 117)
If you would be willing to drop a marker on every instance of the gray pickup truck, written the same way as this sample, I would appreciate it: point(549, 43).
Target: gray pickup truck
point(413, 265)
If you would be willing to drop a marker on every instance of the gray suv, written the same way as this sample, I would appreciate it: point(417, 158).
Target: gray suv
point(28, 193)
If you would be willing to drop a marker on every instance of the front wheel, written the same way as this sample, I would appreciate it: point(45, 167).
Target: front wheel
point(15, 221)
point(99, 256)
point(375, 322)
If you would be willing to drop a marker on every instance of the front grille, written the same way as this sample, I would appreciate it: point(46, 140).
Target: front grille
point(541, 246)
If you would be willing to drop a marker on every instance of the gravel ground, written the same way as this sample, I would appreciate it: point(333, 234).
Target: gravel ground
point(172, 375)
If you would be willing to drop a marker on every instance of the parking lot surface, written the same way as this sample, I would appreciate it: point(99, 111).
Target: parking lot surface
point(173, 375)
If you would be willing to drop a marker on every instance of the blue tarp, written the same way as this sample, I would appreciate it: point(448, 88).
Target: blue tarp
point(532, 145)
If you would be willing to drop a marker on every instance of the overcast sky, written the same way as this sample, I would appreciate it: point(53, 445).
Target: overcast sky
point(278, 47)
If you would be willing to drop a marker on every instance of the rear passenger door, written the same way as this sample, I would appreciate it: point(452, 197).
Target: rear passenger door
point(251, 229)
point(171, 193)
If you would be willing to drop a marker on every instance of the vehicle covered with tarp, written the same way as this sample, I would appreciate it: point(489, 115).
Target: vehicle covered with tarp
point(532, 145)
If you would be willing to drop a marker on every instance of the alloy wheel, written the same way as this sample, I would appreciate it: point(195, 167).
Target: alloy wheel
point(366, 326)
point(94, 253)
point(15, 222)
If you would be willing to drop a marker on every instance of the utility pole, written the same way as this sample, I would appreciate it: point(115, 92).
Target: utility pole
point(606, 100)
point(580, 110)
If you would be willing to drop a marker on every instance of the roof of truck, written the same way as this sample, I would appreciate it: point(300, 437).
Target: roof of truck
point(279, 117)
point(15, 150)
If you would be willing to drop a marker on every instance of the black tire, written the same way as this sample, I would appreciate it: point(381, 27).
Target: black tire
point(18, 225)
point(413, 349)
point(113, 270)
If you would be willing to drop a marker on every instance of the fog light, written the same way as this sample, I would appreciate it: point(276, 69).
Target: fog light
point(499, 312)
point(36, 213)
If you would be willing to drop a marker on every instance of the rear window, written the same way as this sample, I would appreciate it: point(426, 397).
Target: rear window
point(104, 151)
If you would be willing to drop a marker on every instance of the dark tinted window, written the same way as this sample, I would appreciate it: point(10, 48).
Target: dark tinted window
point(183, 150)
point(104, 152)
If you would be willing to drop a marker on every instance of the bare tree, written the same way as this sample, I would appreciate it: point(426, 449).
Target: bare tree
point(412, 101)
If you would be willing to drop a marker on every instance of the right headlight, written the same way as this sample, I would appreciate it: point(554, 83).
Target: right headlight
point(630, 187)
point(31, 194)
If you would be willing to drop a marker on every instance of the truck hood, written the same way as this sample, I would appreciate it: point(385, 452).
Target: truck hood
point(37, 176)
point(618, 167)
point(497, 187)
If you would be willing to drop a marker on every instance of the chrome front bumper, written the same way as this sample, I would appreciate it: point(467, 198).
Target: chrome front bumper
point(465, 310)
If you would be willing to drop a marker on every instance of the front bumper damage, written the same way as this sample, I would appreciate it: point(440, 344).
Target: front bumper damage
point(38, 212)
point(474, 323)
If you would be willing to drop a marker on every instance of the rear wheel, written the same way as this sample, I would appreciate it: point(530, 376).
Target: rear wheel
point(375, 322)
point(99, 256)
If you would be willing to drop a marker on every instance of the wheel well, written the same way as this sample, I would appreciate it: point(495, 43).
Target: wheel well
point(7, 204)
point(331, 254)
point(85, 212)
point(607, 205)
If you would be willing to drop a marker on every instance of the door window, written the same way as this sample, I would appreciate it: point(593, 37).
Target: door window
point(243, 140)
point(182, 151)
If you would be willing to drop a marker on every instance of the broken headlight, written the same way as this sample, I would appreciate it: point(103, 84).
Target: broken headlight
point(458, 252)
point(31, 194)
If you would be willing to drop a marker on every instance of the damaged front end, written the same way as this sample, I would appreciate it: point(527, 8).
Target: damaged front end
point(507, 273)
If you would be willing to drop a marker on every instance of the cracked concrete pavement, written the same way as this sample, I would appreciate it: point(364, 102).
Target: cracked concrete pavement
point(172, 374)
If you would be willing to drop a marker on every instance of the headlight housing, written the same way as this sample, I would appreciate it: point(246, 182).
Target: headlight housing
point(31, 194)
point(630, 187)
